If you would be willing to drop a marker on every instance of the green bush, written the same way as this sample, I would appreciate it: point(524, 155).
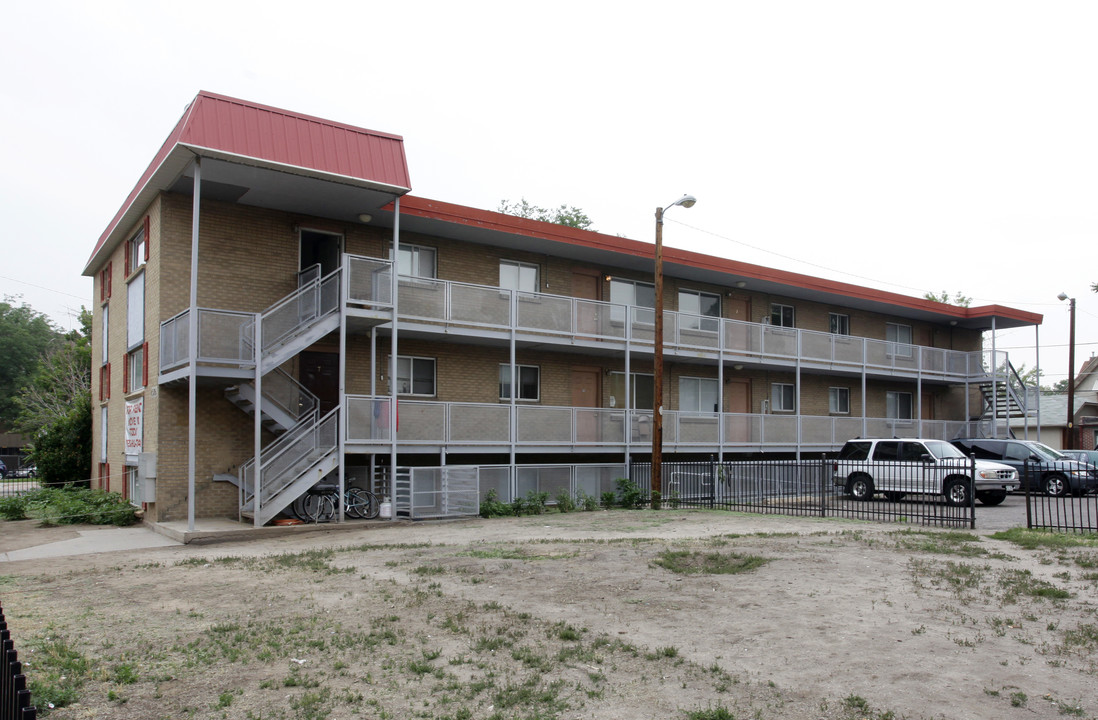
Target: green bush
point(565, 503)
point(629, 495)
point(490, 506)
point(588, 502)
point(68, 505)
point(13, 508)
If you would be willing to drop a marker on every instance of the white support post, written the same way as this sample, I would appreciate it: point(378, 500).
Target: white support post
point(341, 442)
point(257, 420)
point(393, 411)
point(192, 342)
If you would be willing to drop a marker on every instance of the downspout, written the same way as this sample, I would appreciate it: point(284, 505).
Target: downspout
point(865, 360)
point(393, 414)
point(720, 392)
point(797, 395)
point(192, 345)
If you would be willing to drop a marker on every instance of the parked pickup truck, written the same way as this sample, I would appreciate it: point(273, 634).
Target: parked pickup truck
point(898, 467)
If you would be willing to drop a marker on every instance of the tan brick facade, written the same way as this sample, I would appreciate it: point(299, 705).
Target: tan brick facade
point(249, 258)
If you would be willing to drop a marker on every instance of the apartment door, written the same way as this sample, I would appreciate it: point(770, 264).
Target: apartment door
point(585, 394)
point(320, 248)
point(738, 426)
point(586, 285)
point(320, 376)
point(738, 335)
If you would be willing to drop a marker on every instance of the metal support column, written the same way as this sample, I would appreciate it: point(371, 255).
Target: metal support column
point(192, 345)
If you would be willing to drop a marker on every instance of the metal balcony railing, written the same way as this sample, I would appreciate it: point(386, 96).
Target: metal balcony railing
point(471, 424)
point(224, 337)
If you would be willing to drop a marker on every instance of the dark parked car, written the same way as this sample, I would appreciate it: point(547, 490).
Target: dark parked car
point(1039, 467)
point(1087, 456)
point(3, 470)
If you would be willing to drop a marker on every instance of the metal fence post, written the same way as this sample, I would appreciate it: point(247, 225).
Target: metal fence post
point(1029, 508)
point(972, 491)
point(712, 481)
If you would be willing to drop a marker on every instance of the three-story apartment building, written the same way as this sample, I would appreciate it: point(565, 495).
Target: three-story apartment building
point(309, 318)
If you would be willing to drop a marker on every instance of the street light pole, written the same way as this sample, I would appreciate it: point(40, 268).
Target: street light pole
point(687, 201)
point(1070, 443)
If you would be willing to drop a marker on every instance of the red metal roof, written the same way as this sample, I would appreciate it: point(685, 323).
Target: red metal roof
point(227, 127)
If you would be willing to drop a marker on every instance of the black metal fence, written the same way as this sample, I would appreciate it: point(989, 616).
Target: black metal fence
point(15, 699)
point(1061, 497)
point(802, 488)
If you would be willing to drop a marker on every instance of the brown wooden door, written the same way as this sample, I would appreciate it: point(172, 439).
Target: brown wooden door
point(320, 375)
point(586, 285)
point(585, 394)
point(738, 429)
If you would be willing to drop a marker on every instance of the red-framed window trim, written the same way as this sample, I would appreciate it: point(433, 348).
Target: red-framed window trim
point(105, 283)
point(105, 382)
point(145, 365)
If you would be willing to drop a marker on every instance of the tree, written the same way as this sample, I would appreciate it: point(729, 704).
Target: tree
point(563, 215)
point(55, 408)
point(959, 299)
point(27, 335)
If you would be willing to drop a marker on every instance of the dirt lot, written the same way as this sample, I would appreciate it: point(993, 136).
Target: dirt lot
point(567, 616)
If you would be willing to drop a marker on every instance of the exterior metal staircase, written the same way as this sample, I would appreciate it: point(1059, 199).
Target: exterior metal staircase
point(307, 448)
point(292, 464)
point(1006, 397)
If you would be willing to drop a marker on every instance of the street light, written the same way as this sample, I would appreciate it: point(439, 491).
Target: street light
point(1071, 371)
point(687, 201)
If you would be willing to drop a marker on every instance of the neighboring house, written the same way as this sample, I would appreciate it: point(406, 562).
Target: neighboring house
point(523, 349)
point(1053, 415)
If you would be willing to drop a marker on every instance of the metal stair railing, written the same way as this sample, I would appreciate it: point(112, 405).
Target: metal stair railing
point(289, 456)
point(287, 394)
point(314, 300)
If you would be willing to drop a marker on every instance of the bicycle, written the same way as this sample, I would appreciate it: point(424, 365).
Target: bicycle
point(319, 504)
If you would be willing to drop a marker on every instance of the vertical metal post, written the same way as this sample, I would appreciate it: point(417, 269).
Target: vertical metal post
point(192, 342)
point(393, 410)
point(1071, 379)
point(341, 441)
point(257, 420)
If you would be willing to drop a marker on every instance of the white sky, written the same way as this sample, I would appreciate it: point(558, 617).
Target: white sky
point(907, 146)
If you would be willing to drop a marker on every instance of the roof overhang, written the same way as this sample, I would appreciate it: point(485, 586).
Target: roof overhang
point(433, 217)
point(265, 157)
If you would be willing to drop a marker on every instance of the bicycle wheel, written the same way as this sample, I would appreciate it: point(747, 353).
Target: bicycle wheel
point(316, 508)
point(373, 507)
point(356, 503)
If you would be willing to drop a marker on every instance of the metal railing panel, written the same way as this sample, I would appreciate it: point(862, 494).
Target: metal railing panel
point(370, 281)
point(550, 479)
point(548, 314)
point(478, 423)
point(175, 341)
point(367, 419)
point(421, 421)
point(542, 424)
point(225, 336)
point(696, 428)
point(600, 319)
point(422, 298)
point(478, 305)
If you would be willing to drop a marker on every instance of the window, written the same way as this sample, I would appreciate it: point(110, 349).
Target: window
point(137, 248)
point(106, 331)
point(639, 294)
point(415, 376)
point(103, 437)
point(641, 390)
point(781, 315)
point(105, 382)
point(699, 394)
point(417, 261)
point(133, 487)
point(898, 405)
point(840, 324)
point(135, 311)
point(900, 336)
point(518, 276)
point(137, 370)
point(105, 283)
point(695, 303)
point(528, 375)
point(783, 397)
point(838, 400)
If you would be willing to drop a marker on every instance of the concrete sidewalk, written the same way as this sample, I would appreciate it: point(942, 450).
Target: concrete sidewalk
point(167, 534)
point(93, 541)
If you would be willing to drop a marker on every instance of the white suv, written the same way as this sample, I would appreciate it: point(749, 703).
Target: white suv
point(898, 466)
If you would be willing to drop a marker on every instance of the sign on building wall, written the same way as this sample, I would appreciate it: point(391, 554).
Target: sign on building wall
point(134, 429)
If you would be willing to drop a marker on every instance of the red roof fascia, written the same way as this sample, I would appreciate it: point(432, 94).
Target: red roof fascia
point(237, 127)
point(499, 222)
